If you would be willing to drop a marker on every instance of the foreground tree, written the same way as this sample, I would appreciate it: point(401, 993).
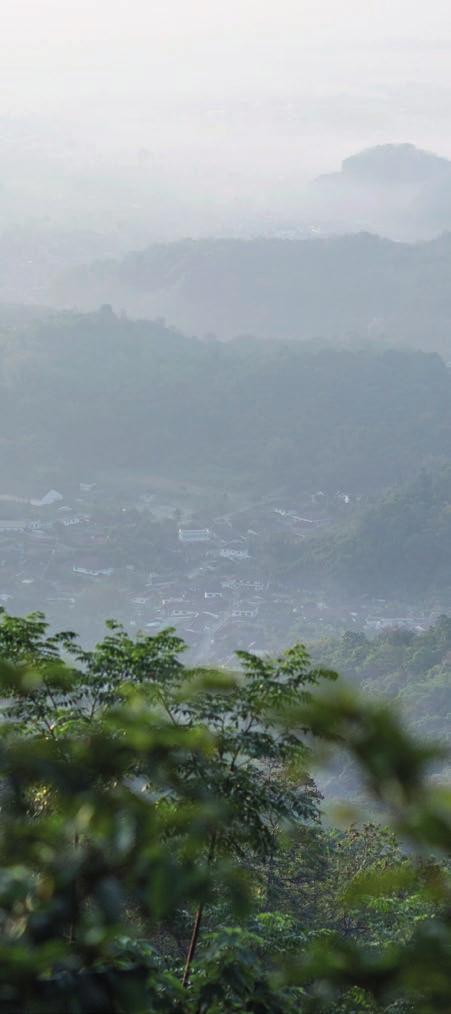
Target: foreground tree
point(247, 783)
point(409, 970)
point(160, 843)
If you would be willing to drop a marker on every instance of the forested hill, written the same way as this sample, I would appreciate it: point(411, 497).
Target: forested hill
point(281, 288)
point(86, 392)
point(412, 669)
point(398, 546)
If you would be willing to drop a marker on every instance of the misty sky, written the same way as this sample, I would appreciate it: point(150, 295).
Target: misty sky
point(231, 100)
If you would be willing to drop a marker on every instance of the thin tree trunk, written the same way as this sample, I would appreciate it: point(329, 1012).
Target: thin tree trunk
point(74, 898)
point(197, 924)
point(269, 881)
point(193, 945)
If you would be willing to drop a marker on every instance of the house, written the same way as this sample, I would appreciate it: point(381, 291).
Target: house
point(41, 536)
point(251, 585)
point(183, 614)
point(22, 525)
point(13, 526)
point(234, 554)
point(51, 497)
point(94, 572)
point(194, 534)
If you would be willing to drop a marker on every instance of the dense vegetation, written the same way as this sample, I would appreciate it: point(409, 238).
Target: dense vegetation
point(398, 546)
point(412, 669)
point(161, 847)
point(268, 415)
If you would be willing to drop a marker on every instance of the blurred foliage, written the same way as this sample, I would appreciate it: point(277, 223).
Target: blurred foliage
point(135, 792)
point(145, 805)
point(412, 971)
point(412, 668)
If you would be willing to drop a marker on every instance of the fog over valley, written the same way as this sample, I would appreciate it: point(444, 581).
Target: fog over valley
point(225, 507)
point(225, 320)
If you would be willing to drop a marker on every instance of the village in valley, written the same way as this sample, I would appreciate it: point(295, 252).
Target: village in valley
point(217, 569)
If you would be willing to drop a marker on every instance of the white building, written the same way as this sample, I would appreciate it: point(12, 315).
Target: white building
point(234, 554)
point(105, 572)
point(51, 497)
point(194, 534)
point(13, 526)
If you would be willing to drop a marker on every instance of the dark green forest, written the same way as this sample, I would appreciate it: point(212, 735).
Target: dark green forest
point(165, 850)
point(260, 414)
point(413, 669)
point(397, 545)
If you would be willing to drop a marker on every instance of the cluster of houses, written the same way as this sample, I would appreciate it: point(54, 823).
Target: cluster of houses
point(83, 557)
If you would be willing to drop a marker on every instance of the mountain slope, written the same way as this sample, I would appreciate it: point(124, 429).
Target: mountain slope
point(399, 546)
point(86, 392)
point(333, 288)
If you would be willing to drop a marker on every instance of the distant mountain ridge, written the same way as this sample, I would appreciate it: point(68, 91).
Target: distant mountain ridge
point(337, 288)
point(361, 257)
point(83, 393)
point(393, 164)
point(396, 190)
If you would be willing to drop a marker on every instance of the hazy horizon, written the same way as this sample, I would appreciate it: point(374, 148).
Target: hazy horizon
point(189, 119)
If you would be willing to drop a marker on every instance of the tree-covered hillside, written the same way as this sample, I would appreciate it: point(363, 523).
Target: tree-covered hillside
point(83, 393)
point(399, 546)
point(332, 287)
point(411, 669)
